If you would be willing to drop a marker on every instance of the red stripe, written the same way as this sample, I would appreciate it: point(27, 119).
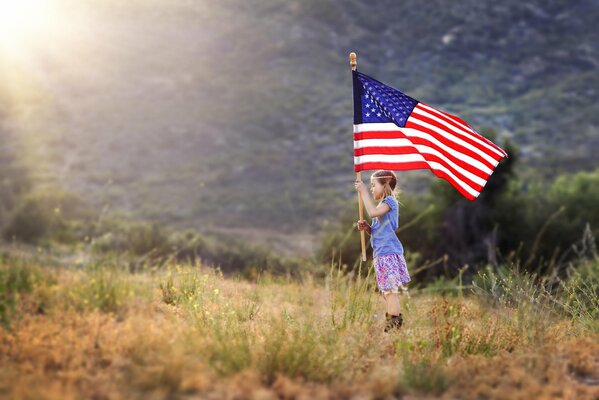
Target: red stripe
point(446, 117)
point(411, 166)
point(380, 135)
point(385, 150)
point(405, 166)
point(413, 123)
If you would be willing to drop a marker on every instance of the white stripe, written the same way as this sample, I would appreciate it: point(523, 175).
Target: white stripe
point(383, 127)
point(389, 158)
point(359, 144)
point(475, 137)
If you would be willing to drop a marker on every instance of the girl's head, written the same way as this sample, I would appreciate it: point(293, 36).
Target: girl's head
point(383, 184)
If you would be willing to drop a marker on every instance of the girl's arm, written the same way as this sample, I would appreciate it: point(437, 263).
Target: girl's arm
point(371, 209)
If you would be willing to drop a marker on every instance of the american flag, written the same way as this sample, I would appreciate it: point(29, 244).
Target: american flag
point(396, 132)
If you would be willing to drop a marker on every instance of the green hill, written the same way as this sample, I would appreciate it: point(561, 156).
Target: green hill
point(235, 114)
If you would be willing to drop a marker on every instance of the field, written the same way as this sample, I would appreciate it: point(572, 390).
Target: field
point(104, 330)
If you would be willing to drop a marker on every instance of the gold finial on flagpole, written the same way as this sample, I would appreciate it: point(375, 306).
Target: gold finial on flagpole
point(353, 61)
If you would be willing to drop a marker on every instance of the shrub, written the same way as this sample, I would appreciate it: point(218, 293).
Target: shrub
point(43, 215)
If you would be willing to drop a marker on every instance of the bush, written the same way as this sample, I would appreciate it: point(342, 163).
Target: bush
point(17, 278)
point(43, 215)
point(137, 238)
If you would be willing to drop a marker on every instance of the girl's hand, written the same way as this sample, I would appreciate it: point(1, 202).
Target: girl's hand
point(361, 187)
point(363, 225)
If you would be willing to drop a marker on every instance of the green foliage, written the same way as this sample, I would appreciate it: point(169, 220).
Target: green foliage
point(14, 177)
point(537, 301)
point(18, 277)
point(45, 215)
point(352, 294)
point(423, 375)
point(302, 349)
point(137, 238)
point(580, 295)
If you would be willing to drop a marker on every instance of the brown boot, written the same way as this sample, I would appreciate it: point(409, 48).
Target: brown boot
point(393, 321)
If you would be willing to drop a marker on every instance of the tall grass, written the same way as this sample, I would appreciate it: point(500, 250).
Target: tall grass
point(351, 295)
point(190, 327)
point(579, 295)
point(20, 278)
point(293, 341)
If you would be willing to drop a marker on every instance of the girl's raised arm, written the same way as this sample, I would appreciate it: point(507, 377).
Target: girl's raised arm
point(372, 210)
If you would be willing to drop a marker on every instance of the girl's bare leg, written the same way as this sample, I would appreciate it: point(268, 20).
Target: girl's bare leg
point(392, 300)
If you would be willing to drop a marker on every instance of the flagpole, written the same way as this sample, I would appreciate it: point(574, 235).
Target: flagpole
point(354, 64)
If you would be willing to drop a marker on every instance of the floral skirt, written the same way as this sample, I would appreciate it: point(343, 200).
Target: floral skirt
point(391, 272)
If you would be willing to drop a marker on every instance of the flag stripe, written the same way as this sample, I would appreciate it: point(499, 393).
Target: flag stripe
point(389, 158)
point(468, 128)
point(463, 171)
point(473, 176)
point(463, 144)
point(468, 179)
point(421, 137)
point(483, 147)
point(398, 166)
point(417, 136)
point(378, 134)
point(382, 142)
point(404, 165)
point(434, 162)
point(443, 118)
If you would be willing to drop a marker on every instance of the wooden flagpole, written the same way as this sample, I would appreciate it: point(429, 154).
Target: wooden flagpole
point(353, 62)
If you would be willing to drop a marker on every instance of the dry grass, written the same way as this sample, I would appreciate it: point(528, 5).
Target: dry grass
point(188, 332)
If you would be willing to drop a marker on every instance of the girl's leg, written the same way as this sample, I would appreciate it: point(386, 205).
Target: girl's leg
point(392, 300)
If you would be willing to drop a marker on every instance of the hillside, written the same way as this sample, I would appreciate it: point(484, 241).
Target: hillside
point(230, 114)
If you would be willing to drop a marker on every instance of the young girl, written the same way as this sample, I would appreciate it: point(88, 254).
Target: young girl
point(389, 263)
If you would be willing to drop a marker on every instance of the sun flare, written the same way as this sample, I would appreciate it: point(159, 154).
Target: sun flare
point(25, 22)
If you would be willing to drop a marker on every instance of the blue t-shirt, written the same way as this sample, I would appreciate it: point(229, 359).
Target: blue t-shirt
point(383, 239)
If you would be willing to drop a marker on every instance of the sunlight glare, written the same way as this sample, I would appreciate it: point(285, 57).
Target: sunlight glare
point(26, 21)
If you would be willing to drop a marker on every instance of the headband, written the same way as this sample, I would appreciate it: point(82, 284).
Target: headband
point(385, 176)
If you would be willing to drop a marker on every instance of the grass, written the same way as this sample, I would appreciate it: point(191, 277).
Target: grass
point(188, 331)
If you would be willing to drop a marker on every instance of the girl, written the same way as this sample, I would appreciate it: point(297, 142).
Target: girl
point(389, 263)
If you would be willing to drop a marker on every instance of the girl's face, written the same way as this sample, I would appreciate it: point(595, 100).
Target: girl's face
point(376, 189)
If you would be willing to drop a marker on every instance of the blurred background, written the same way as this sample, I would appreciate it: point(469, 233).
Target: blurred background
point(223, 129)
